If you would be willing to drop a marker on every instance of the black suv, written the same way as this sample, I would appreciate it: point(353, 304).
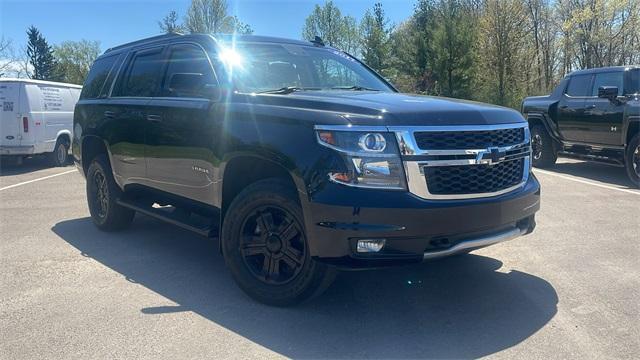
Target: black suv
point(300, 158)
point(591, 115)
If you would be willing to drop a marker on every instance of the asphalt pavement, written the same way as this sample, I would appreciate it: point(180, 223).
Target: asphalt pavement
point(569, 290)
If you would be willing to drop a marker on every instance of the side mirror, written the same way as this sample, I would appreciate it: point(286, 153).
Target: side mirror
point(608, 92)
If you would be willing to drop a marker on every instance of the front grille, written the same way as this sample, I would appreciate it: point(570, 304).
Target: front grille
point(475, 179)
point(453, 140)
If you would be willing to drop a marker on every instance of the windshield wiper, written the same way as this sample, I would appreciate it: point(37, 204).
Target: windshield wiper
point(287, 90)
point(354, 88)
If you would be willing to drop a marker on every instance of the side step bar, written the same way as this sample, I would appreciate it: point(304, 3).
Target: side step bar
point(173, 216)
point(590, 157)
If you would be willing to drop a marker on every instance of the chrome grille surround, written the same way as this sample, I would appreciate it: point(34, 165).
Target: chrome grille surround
point(415, 159)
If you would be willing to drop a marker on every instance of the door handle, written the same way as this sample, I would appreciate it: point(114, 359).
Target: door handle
point(564, 106)
point(109, 114)
point(154, 118)
point(592, 106)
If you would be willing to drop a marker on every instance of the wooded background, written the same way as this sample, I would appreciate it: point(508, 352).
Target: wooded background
point(496, 51)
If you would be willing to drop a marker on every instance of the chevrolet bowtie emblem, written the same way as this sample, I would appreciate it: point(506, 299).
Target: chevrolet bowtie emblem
point(492, 155)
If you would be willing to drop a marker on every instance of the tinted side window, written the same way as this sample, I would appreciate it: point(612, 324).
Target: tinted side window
point(633, 82)
point(608, 79)
point(96, 79)
point(579, 85)
point(187, 60)
point(142, 77)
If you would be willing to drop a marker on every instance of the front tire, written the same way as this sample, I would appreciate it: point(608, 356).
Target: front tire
point(543, 154)
point(60, 155)
point(265, 246)
point(632, 160)
point(102, 196)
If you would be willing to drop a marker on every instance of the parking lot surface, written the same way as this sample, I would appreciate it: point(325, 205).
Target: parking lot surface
point(569, 290)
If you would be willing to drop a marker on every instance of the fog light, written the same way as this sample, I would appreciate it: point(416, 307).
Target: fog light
point(370, 245)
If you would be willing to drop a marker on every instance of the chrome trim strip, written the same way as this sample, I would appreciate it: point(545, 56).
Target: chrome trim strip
point(414, 169)
point(473, 244)
point(351, 128)
point(408, 145)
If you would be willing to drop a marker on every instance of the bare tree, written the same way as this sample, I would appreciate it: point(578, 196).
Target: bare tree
point(7, 56)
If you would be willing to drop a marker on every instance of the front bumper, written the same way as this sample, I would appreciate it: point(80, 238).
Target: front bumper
point(414, 229)
point(17, 150)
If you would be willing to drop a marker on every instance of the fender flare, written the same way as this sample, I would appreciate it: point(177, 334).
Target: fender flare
point(627, 125)
point(545, 122)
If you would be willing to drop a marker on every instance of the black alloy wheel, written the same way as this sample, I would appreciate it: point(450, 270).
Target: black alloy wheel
point(536, 146)
point(273, 245)
point(101, 196)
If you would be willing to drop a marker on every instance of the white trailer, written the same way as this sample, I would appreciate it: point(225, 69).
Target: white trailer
point(36, 117)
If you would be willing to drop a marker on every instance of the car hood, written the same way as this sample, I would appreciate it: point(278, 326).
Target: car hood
point(386, 108)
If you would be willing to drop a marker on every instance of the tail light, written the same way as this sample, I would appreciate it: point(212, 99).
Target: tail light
point(25, 124)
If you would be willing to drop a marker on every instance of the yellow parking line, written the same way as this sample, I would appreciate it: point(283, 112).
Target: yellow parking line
point(38, 179)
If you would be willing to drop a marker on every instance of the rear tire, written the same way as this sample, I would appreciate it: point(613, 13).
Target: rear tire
point(543, 152)
point(632, 160)
point(60, 155)
point(265, 246)
point(102, 196)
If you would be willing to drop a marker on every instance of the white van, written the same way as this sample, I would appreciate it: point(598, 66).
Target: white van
point(36, 118)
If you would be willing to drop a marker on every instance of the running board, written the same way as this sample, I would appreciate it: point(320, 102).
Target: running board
point(589, 157)
point(174, 216)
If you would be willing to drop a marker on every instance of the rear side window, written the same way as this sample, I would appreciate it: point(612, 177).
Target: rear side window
point(608, 79)
point(579, 85)
point(142, 77)
point(633, 82)
point(96, 79)
point(187, 60)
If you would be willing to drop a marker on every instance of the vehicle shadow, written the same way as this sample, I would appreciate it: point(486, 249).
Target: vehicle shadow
point(459, 307)
point(593, 171)
point(9, 167)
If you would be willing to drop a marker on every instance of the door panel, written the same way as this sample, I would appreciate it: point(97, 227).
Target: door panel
point(10, 113)
point(180, 151)
point(571, 108)
point(181, 128)
point(123, 126)
point(125, 117)
point(604, 116)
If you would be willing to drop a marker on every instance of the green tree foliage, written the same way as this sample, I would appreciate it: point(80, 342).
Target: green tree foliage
point(335, 30)
point(452, 48)
point(376, 33)
point(502, 52)
point(40, 56)
point(74, 59)
point(212, 17)
point(169, 23)
point(206, 17)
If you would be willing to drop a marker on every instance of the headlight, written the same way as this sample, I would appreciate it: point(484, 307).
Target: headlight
point(372, 158)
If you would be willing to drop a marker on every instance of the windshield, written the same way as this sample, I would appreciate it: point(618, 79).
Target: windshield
point(261, 67)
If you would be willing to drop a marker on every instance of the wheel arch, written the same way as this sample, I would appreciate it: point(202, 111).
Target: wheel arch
point(65, 135)
point(242, 170)
point(91, 147)
point(633, 128)
point(539, 119)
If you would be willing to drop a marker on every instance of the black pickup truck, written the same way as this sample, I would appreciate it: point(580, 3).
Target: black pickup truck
point(298, 157)
point(592, 115)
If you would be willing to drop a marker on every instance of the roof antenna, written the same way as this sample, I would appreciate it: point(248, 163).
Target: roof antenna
point(318, 41)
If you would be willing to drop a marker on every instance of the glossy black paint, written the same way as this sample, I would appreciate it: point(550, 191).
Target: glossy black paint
point(591, 121)
point(183, 146)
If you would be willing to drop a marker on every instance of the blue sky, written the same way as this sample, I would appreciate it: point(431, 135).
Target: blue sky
point(114, 22)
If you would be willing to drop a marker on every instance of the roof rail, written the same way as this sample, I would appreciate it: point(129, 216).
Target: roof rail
point(318, 41)
point(141, 41)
